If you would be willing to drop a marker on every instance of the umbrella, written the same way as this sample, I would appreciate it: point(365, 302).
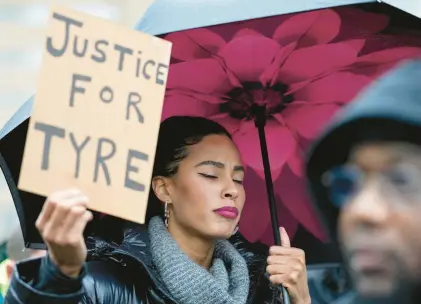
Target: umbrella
point(273, 80)
point(272, 74)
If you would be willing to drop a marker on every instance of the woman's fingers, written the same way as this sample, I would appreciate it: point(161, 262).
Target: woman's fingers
point(44, 216)
point(285, 241)
point(61, 223)
point(286, 274)
point(75, 224)
point(277, 269)
point(51, 204)
point(279, 279)
point(275, 251)
point(287, 267)
point(54, 227)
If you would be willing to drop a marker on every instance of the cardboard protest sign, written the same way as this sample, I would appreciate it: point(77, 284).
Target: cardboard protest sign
point(96, 114)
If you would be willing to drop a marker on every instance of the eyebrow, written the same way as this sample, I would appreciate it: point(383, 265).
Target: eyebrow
point(218, 165)
point(400, 152)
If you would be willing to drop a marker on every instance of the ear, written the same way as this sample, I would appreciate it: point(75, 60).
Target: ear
point(160, 186)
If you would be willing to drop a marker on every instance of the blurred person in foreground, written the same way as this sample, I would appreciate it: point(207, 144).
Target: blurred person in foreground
point(364, 175)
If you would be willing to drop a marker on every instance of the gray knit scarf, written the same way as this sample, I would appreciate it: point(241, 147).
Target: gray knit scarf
point(227, 282)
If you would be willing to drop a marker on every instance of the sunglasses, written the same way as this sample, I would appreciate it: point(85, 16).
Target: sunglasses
point(400, 182)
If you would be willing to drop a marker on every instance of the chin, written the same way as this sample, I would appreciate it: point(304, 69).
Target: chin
point(219, 232)
point(220, 235)
point(375, 287)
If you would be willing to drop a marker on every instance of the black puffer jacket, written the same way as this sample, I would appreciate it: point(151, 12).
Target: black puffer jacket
point(124, 273)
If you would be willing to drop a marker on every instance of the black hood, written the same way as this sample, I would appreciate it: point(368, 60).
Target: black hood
point(389, 109)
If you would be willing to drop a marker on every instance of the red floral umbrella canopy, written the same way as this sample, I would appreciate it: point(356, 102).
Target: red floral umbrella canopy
point(303, 67)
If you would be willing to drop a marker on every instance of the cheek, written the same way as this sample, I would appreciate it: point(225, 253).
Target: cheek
point(344, 228)
point(241, 199)
point(195, 191)
point(408, 227)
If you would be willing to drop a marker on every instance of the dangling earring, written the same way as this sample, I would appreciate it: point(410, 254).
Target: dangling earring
point(236, 229)
point(166, 214)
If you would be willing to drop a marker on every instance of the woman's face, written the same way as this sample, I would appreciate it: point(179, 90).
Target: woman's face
point(206, 196)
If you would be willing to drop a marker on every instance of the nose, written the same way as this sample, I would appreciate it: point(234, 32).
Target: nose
point(230, 190)
point(368, 208)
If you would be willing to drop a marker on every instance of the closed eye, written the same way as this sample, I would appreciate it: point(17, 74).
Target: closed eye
point(215, 177)
point(208, 176)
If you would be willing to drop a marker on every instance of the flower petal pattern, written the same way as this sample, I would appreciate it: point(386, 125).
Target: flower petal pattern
point(291, 188)
point(309, 28)
point(179, 104)
point(285, 219)
point(376, 63)
point(205, 76)
point(256, 206)
point(334, 88)
point(307, 63)
point(308, 120)
point(302, 67)
point(194, 44)
point(368, 23)
point(257, 51)
point(281, 144)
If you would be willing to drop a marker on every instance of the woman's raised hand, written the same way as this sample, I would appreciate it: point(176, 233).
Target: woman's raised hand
point(61, 224)
point(287, 266)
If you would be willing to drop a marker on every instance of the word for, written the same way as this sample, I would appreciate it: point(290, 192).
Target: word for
point(106, 95)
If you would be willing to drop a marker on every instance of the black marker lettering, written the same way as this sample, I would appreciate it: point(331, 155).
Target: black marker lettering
point(138, 64)
point(123, 50)
point(75, 89)
point(101, 57)
point(68, 22)
point(145, 74)
point(76, 47)
point(78, 149)
point(49, 132)
point(106, 94)
point(128, 182)
point(133, 101)
point(160, 73)
point(100, 159)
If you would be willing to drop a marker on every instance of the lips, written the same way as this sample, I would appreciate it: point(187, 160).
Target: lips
point(367, 260)
point(227, 212)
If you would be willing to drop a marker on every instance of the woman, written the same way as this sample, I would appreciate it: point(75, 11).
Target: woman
point(183, 255)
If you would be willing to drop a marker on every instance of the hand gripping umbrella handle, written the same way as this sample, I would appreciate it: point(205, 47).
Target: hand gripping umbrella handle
point(285, 296)
point(260, 122)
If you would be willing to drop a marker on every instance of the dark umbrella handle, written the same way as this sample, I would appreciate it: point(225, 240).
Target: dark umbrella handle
point(259, 113)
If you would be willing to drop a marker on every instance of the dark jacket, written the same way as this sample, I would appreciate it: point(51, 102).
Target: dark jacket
point(122, 273)
point(389, 110)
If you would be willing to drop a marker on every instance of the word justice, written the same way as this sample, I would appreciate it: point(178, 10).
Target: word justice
point(146, 68)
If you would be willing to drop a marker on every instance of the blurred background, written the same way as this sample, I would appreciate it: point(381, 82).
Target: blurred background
point(22, 24)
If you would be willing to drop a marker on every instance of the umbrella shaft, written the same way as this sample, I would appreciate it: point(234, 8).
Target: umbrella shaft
point(260, 122)
point(271, 197)
point(269, 184)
